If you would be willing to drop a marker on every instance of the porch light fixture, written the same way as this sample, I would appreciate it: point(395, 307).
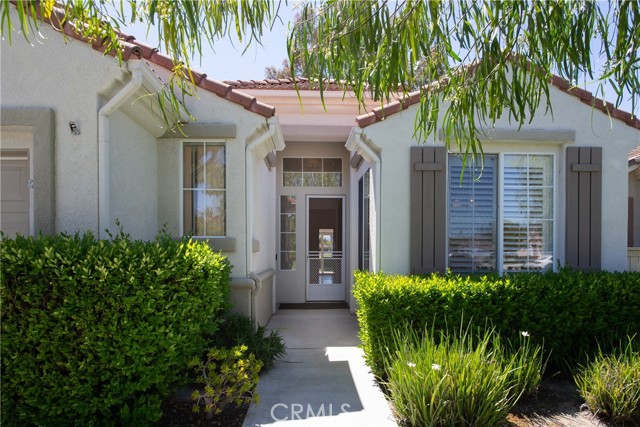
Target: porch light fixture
point(75, 130)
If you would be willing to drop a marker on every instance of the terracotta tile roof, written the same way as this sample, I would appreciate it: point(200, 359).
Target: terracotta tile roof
point(285, 84)
point(380, 113)
point(228, 89)
point(135, 50)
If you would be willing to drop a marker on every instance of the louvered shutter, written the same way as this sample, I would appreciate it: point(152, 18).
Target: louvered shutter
point(584, 208)
point(428, 209)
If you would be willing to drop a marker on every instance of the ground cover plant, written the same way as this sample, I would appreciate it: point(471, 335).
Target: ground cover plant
point(568, 312)
point(227, 376)
point(437, 378)
point(100, 332)
point(223, 375)
point(238, 329)
point(610, 383)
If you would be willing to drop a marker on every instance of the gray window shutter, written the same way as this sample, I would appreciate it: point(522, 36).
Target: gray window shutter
point(428, 209)
point(584, 208)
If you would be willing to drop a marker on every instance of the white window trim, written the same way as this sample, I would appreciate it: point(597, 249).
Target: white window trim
point(500, 202)
point(181, 182)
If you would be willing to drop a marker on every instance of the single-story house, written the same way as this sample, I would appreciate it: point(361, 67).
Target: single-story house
point(296, 197)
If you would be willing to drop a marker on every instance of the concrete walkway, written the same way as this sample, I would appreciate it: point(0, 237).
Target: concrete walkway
point(323, 380)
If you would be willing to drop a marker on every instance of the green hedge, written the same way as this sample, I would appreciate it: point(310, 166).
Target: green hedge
point(568, 312)
point(97, 332)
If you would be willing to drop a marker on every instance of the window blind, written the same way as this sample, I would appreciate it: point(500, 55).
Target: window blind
point(527, 212)
point(473, 215)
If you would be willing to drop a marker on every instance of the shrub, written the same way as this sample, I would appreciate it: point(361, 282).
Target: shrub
point(238, 329)
point(458, 379)
point(610, 384)
point(568, 312)
point(229, 376)
point(98, 332)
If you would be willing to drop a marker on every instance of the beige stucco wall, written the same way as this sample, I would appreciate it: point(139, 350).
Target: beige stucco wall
point(393, 137)
point(67, 77)
point(264, 216)
point(133, 177)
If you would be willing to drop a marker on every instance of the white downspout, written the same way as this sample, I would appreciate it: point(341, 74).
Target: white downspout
point(272, 126)
point(104, 210)
point(356, 142)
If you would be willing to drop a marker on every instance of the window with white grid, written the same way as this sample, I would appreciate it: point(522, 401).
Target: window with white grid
point(204, 189)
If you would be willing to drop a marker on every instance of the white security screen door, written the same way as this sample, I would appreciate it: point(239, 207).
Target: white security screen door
point(325, 242)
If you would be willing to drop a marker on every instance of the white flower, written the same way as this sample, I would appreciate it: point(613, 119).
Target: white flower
point(436, 367)
point(525, 333)
point(411, 364)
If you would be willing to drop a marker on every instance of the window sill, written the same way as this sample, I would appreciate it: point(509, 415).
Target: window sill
point(221, 244)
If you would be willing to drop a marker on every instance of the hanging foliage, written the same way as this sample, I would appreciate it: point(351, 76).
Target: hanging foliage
point(473, 61)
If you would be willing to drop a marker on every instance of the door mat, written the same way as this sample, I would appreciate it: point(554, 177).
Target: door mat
point(313, 305)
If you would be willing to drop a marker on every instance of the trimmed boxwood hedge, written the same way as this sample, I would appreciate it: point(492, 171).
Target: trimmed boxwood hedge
point(568, 312)
point(98, 332)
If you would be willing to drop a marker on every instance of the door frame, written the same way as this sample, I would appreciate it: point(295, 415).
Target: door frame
point(22, 154)
point(343, 198)
point(42, 124)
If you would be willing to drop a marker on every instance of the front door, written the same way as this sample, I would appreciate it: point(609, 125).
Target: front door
point(313, 187)
point(325, 248)
point(14, 203)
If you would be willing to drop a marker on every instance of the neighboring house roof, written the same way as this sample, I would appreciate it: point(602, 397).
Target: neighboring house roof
point(634, 156)
point(286, 84)
point(133, 49)
point(380, 113)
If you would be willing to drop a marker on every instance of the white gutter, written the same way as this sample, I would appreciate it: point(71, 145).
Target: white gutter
point(140, 73)
point(257, 286)
point(357, 143)
point(273, 130)
point(273, 133)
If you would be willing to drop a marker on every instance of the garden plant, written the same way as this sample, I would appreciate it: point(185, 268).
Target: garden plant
point(228, 376)
point(99, 333)
point(238, 329)
point(437, 378)
point(514, 325)
point(610, 383)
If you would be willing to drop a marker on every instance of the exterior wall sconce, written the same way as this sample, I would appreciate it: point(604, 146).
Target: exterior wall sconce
point(75, 130)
